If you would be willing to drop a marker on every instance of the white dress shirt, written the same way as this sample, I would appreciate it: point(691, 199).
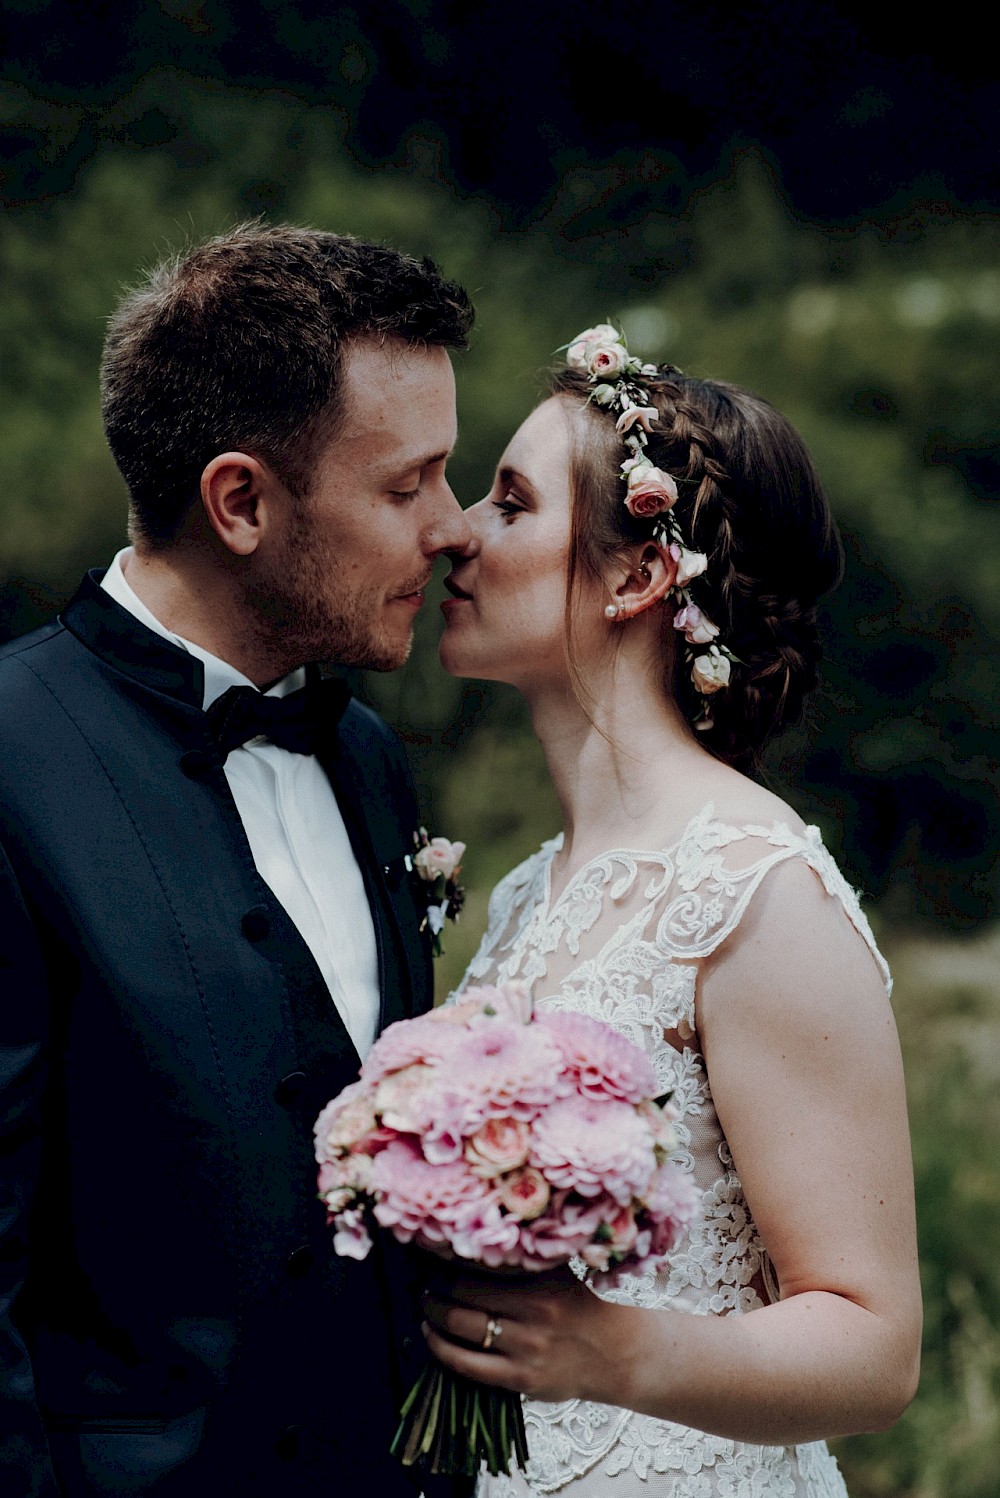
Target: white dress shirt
point(296, 835)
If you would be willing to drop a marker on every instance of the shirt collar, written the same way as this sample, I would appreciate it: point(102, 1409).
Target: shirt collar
point(219, 674)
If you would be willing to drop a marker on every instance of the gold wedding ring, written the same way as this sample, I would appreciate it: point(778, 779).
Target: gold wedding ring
point(493, 1330)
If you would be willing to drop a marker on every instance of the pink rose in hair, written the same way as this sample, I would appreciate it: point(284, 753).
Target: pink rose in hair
point(579, 350)
point(697, 628)
point(605, 361)
point(689, 563)
point(650, 491)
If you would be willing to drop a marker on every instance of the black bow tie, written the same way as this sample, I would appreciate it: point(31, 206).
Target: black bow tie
point(302, 721)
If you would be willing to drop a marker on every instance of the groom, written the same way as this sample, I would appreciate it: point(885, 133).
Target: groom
point(205, 917)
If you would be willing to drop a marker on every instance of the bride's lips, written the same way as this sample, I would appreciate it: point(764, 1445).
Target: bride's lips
point(458, 597)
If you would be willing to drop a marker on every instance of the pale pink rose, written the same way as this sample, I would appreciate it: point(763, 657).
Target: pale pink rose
point(525, 1193)
point(579, 349)
point(697, 628)
point(602, 1062)
point(594, 1147)
point(650, 492)
point(710, 672)
point(644, 416)
point(605, 361)
point(344, 1122)
point(413, 1196)
point(689, 563)
point(396, 1092)
point(439, 856)
point(351, 1239)
point(500, 1145)
point(484, 1233)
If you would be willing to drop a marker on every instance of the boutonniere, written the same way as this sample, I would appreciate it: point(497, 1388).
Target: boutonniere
point(437, 864)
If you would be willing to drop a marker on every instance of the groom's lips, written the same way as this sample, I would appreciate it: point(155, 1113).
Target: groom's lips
point(415, 596)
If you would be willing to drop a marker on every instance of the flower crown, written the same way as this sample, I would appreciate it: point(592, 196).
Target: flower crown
point(602, 354)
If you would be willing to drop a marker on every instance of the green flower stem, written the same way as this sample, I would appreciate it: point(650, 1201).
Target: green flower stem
point(452, 1426)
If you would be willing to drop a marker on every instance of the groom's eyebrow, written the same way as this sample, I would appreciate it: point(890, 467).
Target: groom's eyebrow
point(422, 460)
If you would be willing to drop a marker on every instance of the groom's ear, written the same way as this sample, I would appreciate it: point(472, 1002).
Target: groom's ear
point(235, 490)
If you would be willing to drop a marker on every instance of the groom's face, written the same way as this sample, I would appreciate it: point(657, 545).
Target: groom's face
point(354, 555)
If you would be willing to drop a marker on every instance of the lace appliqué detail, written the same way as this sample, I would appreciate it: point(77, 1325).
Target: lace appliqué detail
point(623, 943)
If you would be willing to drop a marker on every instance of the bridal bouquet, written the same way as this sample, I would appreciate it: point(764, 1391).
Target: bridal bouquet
point(486, 1132)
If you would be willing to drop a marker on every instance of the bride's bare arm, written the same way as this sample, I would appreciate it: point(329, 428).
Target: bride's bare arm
point(804, 1065)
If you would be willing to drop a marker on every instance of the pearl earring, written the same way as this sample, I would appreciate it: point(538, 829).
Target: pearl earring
point(612, 611)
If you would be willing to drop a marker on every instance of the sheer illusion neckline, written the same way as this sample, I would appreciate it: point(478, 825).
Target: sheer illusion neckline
point(700, 820)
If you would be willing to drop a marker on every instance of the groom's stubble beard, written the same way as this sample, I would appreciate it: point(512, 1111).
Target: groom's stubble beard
point(301, 607)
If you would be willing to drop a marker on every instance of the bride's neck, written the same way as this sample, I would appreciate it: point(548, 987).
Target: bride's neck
point(624, 764)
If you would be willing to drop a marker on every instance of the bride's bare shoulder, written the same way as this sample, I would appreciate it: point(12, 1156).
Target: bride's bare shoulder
point(738, 801)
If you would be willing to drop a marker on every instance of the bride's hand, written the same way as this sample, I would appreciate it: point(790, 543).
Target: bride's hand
point(544, 1335)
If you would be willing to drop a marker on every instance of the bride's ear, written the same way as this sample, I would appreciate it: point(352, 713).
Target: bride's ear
point(649, 578)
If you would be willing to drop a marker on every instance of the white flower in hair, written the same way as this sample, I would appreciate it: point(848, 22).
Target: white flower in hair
point(689, 563)
point(710, 671)
point(697, 628)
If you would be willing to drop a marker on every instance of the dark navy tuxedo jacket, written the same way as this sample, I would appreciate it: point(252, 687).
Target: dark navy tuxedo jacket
point(172, 1318)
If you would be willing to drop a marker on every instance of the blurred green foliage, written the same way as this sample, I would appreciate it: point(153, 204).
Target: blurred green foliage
point(879, 340)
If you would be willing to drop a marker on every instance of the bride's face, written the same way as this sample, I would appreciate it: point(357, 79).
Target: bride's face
point(506, 618)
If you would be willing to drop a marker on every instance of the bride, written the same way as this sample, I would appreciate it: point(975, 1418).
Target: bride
point(645, 571)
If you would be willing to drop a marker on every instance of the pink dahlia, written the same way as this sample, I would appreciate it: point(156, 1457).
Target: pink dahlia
point(594, 1146)
point(406, 1042)
point(483, 1232)
point(563, 1230)
point(602, 1061)
point(507, 1068)
point(415, 1197)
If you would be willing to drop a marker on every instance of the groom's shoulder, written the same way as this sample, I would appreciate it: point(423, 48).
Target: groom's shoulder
point(22, 652)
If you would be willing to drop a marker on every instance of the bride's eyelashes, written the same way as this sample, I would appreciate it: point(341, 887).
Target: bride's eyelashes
point(508, 507)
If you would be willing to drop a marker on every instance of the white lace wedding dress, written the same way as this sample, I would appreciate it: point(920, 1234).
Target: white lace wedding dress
point(623, 943)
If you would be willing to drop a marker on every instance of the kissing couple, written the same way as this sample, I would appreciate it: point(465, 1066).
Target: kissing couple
point(207, 913)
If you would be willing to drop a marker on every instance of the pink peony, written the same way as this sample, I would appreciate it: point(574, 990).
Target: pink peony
point(594, 1147)
point(602, 1061)
point(697, 627)
point(500, 1145)
point(525, 1193)
point(413, 1196)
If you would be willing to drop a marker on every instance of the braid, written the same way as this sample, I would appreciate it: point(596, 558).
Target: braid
point(750, 500)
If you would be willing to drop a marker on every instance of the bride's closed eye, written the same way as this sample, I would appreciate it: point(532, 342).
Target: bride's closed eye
point(508, 507)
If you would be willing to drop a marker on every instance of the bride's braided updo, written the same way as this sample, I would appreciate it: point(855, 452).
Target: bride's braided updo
point(750, 499)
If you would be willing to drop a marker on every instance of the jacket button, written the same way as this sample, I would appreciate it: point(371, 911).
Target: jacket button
point(286, 1443)
point(300, 1262)
point(197, 763)
point(289, 1088)
point(256, 923)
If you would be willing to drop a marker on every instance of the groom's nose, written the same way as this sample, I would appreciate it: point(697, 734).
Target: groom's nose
point(448, 531)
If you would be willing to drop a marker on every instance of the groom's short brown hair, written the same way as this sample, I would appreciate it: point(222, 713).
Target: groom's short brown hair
point(238, 345)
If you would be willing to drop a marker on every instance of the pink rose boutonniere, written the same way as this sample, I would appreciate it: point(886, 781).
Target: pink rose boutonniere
point(437, 864)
